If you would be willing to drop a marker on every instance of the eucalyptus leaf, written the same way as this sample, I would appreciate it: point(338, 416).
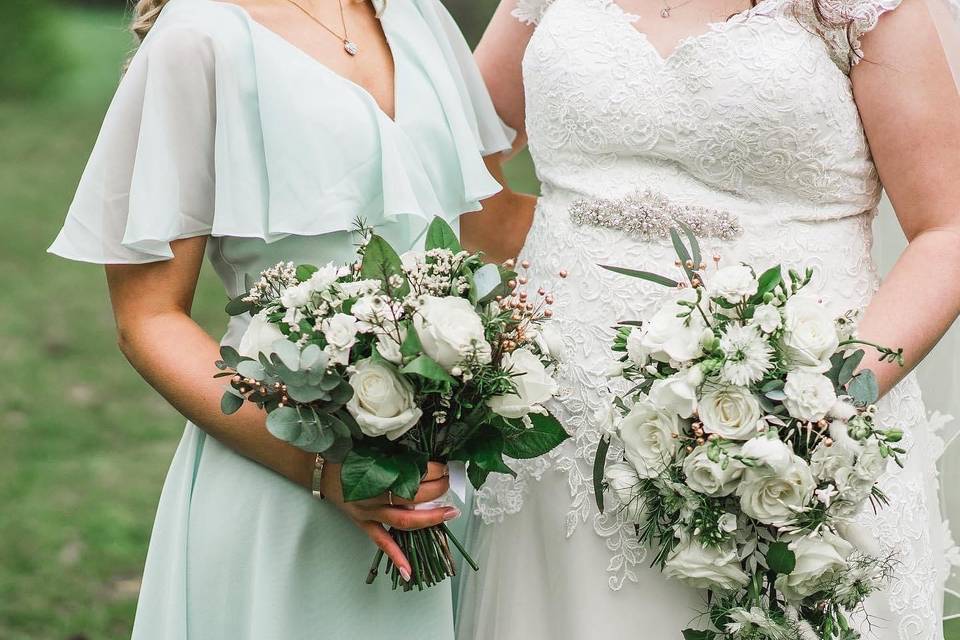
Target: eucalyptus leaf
point(849, 367)
point(777, 395)
point(441, 235)
point(251, 369)
point(643, 275)
point(230, 356)
point(230, 403)
point(288, 353)
point(365, 475)
point(306, 393)
point(682, 252)
point(863, 388)
point(284, 424)
point(780, 558)
point(313, 357)
point(238, 306)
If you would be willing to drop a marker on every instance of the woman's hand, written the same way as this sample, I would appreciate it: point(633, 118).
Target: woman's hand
point(372, 515)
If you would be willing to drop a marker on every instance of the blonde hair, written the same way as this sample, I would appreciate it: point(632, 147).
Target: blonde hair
point(145, 14)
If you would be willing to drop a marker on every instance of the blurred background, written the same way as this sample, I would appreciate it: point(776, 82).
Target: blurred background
point(84, 443)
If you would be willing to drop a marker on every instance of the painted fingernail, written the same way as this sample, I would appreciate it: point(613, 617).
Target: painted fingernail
point(451, 514)
point(405, 574)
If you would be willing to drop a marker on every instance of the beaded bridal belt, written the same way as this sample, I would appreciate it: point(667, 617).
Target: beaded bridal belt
point(650, 215)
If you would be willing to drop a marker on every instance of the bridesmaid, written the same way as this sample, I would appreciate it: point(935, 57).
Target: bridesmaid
point(256, 131)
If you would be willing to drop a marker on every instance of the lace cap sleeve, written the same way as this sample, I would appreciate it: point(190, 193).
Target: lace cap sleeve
point(848, 21)
point(531, 11)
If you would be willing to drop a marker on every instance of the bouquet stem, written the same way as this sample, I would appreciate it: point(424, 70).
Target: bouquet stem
point(430, 558)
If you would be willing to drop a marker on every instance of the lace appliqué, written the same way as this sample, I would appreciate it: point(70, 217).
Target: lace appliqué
point(530, 11)
point(650, 214)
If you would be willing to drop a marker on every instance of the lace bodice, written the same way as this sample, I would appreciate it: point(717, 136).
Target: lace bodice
point(755, 117)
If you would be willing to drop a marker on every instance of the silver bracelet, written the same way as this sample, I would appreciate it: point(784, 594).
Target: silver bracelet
point(317, 477)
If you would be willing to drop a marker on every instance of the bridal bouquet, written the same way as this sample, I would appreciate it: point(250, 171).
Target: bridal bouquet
point(391, 362)
point(750, 442)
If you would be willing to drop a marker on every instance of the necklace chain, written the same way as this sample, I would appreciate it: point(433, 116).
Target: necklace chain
point(668, 8)
point(348, 45)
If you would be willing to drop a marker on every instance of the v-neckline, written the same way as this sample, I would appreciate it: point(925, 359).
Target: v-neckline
point(710, 28)
point(296, 49)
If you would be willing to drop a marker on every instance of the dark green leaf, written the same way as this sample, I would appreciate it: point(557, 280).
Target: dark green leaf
point(849, 367)
point(476, 475)
point(364, 476)
point(408, 481)
point(863, 388)
point(441, 236)
point(230, 403)
point(766, 283)
point(599, 462)
point(237, 306)
point(425, 367)
point(781, 559)
point(682, 252)
point(380, 261)
point(694, 634)
point(304, 271)
point(411, 344)
point(643, 275)
point(544, 436)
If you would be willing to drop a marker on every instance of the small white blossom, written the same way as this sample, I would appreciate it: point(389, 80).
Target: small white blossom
point(747, 355)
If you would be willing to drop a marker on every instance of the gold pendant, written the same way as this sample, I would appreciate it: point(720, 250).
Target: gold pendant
point(351, 47)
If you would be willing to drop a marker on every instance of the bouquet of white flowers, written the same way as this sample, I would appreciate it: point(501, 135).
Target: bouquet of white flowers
point(749, 443)
point(392, 362)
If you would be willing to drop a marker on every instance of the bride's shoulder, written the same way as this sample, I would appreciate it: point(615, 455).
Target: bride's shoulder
point(843, 23)
point(189, 28)
point(531, 11)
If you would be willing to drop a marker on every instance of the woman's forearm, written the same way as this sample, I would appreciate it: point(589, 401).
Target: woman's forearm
point(176, 357)
point(916, 304)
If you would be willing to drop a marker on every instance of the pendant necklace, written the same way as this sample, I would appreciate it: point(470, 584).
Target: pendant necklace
point(348, 45)
point(668, 8)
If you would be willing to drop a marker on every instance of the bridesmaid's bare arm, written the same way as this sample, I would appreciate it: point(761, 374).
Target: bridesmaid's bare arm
point(911, 112)
point(500, 229)
point(151, 304)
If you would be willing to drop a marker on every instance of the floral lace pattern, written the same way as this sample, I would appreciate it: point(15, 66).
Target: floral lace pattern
point(755, 116)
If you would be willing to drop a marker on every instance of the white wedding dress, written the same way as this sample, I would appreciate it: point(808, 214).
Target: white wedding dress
point(754, 125)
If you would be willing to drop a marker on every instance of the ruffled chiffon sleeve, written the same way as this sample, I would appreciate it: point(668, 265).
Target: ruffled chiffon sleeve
point(530, 11)
point(150, 178)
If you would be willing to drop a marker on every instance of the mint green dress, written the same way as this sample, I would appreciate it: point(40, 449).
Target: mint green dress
point(222, 128)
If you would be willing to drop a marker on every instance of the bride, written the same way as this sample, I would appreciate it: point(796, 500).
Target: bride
point(781, 124)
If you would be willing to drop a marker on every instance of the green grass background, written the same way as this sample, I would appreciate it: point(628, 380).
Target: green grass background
point(84, 443)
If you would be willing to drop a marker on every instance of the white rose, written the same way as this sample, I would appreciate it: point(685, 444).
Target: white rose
point(359, 288)
point(341, 334)
point(809, 334)
point(809, 396)
point(607, 418)
point(706, 567)
point(550, 342)
point(637, 353)
point(323, 278)
point(373, 312)
point(774, 497)
point(669, 338)
point(389, 348)
point(733, 284)
point(819, 559)
point(678, 393)
point(769, 452)
point(623, 481)
point(830, 463)
point(767, 317)
point(450, 330)
point(296, 296)
point(259, 337)
point(730, 412)
point(649, 438)
point(727, 523)
point(871, 464)
point(534, 385)
point(382, 402)
point(710, 478)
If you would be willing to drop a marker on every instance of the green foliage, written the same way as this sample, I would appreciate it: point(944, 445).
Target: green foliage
point(781, 559)
point(32, 53)
point(380, 262)
point(544, 435)
point(441, 236)
point(599, 463)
